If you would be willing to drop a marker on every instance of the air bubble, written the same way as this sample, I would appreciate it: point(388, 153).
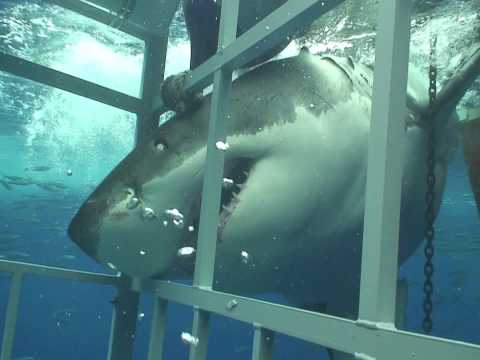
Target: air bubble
point(186, 251)
point(189, 339)
point(174, 214)
point(178, 223)
point(148, 214)
point(133, 202)
point(222, 145)
point(245, 257)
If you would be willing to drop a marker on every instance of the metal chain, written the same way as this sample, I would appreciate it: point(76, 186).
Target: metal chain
point(430, 195)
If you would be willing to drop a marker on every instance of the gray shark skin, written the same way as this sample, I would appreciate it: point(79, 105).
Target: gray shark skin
point(298, 138)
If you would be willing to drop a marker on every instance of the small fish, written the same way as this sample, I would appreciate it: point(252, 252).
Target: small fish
point(6, 185)
point(57, 185)
point(12, 178)
point(47, 186)
point(18, 180)
point(38, 168)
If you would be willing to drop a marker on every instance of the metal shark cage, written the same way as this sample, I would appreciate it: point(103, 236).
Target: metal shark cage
point(373, 335)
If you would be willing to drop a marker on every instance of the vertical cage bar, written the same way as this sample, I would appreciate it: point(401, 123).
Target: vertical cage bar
point(199, 350)
point(11, 316)
point(152, 75)
point(212, 183)
point(157, 333)
point(122, 334)
point(385, 163)
point(262, 343)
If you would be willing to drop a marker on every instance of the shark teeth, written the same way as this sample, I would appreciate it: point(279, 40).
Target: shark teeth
point(226, 213)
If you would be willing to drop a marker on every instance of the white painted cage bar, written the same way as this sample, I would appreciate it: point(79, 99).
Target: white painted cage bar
point(373, 336)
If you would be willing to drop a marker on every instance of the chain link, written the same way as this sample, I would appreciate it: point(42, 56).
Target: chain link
point(428, 268)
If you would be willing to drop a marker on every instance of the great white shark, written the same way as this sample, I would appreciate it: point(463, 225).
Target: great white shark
point(292, 212)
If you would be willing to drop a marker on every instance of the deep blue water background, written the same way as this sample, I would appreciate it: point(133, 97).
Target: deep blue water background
point(69, 320)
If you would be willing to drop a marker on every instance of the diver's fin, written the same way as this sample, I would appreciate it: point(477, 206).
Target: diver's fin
point(470, 132)
point(453, 91)
point(401, 304)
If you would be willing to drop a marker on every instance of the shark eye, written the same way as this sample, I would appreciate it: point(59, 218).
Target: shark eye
point(160, 145)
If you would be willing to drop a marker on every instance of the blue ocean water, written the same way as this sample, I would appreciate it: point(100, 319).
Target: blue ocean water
point(40, 126)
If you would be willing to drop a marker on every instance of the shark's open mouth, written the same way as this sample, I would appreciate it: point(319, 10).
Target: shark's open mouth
point(235, 178)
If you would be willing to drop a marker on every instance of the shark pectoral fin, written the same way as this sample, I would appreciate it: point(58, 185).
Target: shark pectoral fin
point(401, 304)
point(470, 130)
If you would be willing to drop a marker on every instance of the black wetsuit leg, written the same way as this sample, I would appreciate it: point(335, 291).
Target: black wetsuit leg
point(202, 18)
